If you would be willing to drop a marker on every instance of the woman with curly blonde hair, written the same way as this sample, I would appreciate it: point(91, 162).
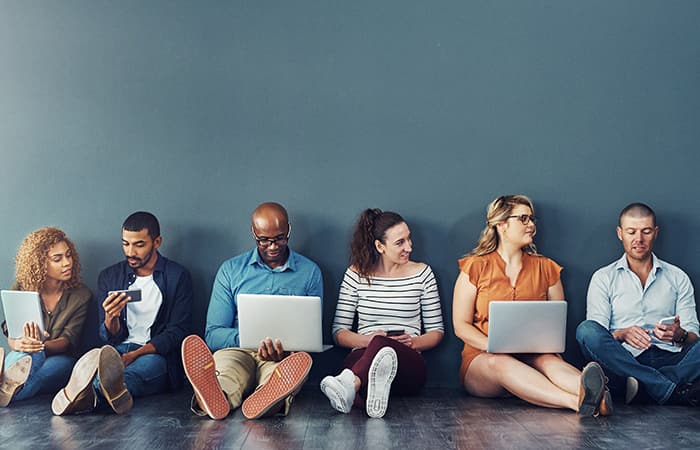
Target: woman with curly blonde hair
point(46, 262)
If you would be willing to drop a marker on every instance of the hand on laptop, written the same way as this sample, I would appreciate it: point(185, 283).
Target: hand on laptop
point(271, 351)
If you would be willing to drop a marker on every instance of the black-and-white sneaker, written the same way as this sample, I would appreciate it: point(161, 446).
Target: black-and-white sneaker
point(381, 374)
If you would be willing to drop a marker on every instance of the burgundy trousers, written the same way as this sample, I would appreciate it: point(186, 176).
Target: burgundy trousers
point(410, 375)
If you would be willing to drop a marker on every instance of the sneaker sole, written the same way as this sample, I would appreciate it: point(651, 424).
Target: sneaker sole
point(329, 386)
point(201, 371)
point(110, 371)
point(288, 377)
point(381, 374)
point(15, 376)
point(593, 384)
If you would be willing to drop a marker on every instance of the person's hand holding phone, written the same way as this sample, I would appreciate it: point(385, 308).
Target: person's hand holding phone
point(666, 328)
point(113, 306)
point(400, 336)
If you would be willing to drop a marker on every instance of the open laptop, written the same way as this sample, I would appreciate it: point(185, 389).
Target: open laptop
point(294, 320)
point(21, 307)
point(527, 326)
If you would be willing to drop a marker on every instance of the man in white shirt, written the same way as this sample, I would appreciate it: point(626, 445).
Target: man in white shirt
point(642, 325)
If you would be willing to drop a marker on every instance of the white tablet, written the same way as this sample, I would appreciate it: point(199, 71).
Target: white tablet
point(21, 307)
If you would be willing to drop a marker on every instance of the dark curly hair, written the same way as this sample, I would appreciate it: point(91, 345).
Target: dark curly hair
point(371, 225)
point(33, 255)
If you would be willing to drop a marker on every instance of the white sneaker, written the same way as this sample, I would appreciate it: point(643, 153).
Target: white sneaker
point(381, 373)
point(340, 390)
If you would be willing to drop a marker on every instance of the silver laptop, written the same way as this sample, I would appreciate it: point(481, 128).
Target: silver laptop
point(527, 327)
point(294, 320)
point(21, 307)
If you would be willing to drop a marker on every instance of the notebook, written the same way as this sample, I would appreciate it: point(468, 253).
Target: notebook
point(21, 307)
point(294, 320)
point(527, 327)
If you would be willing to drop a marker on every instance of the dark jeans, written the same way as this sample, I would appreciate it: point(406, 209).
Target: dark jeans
point(410, 374)
point(659, 371)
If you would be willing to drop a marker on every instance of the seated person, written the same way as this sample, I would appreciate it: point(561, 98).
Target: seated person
point(47, 262)
point(505, 265)
point(626, 301)
point(267, 378)
point(397, 305)
point(142, 355)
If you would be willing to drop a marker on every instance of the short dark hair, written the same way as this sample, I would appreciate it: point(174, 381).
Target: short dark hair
point(637, 210)
point(140, 220)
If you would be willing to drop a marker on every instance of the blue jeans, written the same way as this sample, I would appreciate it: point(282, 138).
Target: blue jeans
point(48, 374)
point(147, 375)
point(659, 371)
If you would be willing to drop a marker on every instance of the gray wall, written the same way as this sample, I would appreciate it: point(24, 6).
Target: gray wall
point(198, 111)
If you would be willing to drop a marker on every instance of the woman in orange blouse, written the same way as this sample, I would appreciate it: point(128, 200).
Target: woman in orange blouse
point(505, 265)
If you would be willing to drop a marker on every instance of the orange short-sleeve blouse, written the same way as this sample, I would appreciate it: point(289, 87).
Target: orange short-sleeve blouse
point(488, 274)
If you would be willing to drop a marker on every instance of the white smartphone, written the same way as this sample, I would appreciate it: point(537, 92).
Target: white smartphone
point(667, 320)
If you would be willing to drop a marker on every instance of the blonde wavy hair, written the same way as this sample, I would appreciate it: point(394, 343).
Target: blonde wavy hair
point(32, 259)
point(498, 212)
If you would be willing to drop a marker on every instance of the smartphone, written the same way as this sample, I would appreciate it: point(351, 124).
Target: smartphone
point(135, 294)
point(667, 320)
point(395, 332)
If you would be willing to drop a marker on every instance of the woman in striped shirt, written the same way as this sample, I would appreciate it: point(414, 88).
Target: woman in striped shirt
point(397, 305)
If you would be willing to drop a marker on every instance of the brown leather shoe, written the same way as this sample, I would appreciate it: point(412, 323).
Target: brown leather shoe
point(110, 372)
point(605, 407)
point(591, 390)
point(287, 379)
point(13, 379)
point(70, 399)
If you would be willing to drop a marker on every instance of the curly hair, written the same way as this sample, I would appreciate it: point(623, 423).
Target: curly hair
point(371, 226)
point(498, 212)
point(32, 259)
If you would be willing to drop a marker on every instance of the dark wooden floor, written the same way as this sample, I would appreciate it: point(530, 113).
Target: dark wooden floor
point(440, 418)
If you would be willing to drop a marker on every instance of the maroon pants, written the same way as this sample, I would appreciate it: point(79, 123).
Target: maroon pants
point(410, 375)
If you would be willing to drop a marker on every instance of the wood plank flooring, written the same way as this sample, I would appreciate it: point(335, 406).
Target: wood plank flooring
point(438, 419)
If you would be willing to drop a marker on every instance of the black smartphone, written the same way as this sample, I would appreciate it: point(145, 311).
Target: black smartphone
point(395, 332)
point(135, 294)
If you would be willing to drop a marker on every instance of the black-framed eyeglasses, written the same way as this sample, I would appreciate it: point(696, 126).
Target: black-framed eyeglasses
point(524, 218)
point(265, 242)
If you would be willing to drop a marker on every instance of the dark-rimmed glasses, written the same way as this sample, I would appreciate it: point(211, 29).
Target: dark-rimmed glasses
point(524, 218)
point(265, 242)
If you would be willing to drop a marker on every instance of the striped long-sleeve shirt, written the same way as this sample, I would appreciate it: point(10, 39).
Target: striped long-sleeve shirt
point(410, 303)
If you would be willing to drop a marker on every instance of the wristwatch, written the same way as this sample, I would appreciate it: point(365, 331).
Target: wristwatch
point(681, 339)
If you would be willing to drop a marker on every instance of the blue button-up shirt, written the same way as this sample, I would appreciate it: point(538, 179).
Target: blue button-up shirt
point(617, 299)
point(248, 274)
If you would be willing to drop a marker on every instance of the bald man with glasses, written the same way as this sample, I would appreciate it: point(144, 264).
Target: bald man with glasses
point(265, 381)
